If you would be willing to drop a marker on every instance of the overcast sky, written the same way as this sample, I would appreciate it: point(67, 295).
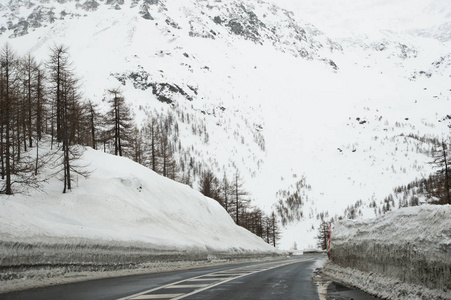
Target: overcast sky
point(363, 16)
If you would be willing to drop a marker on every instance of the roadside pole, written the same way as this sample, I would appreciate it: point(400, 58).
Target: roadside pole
point(330, 233)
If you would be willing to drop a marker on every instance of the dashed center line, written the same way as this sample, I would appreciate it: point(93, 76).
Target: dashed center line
point(213, 279)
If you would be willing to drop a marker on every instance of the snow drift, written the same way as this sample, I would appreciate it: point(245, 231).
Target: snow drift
point(404, 254)
point(123, 215)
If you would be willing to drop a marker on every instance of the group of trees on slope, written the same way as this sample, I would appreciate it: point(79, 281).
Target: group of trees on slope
point(44, 101)
point(35, 100)
point(434, 189)
point(232, 195)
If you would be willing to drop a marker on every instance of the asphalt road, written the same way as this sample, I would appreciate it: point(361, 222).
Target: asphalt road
point(280, 279)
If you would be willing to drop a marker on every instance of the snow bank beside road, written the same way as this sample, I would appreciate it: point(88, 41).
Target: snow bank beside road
point(123, 216)
point(123, 201)
point(405, 254)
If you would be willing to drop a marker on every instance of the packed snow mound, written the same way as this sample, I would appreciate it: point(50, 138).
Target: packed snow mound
point(403, 254)
point(123, 202)
point(428, 226)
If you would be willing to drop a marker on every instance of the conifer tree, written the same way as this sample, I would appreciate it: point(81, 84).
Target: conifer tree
point(442, 179)
point(120, 121)
point(94, 119)
point(166, 151)
point(152, 137)
point(323, 235)
point(275, 230)
point(225, 193)
point(240, 201)
point(208, 185)
point(136, 145)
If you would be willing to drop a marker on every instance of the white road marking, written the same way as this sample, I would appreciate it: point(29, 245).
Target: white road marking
point(204, 279)
point(156, 296)
point(227, 274)
point(184, 286)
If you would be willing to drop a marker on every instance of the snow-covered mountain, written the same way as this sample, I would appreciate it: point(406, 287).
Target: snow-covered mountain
point(340, 117)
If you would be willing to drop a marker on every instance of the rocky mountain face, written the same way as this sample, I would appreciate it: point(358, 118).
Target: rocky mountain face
point(206, 19)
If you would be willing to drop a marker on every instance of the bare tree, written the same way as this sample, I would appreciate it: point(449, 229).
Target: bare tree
point(9, 64)
point(15, 168)
point(58, 65)
point(40, 102)
point(30, 71)
point(69, 113)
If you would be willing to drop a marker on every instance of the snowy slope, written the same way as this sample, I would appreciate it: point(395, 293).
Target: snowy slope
point(123, 202)
point(335, 107)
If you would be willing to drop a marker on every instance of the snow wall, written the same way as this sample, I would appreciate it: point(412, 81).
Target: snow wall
point(124, 216)
point(405, 254)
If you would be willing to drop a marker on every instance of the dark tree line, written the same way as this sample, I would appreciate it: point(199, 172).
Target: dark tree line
point(232, 195)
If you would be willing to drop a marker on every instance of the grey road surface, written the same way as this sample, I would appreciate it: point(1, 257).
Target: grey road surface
point(279, 279)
